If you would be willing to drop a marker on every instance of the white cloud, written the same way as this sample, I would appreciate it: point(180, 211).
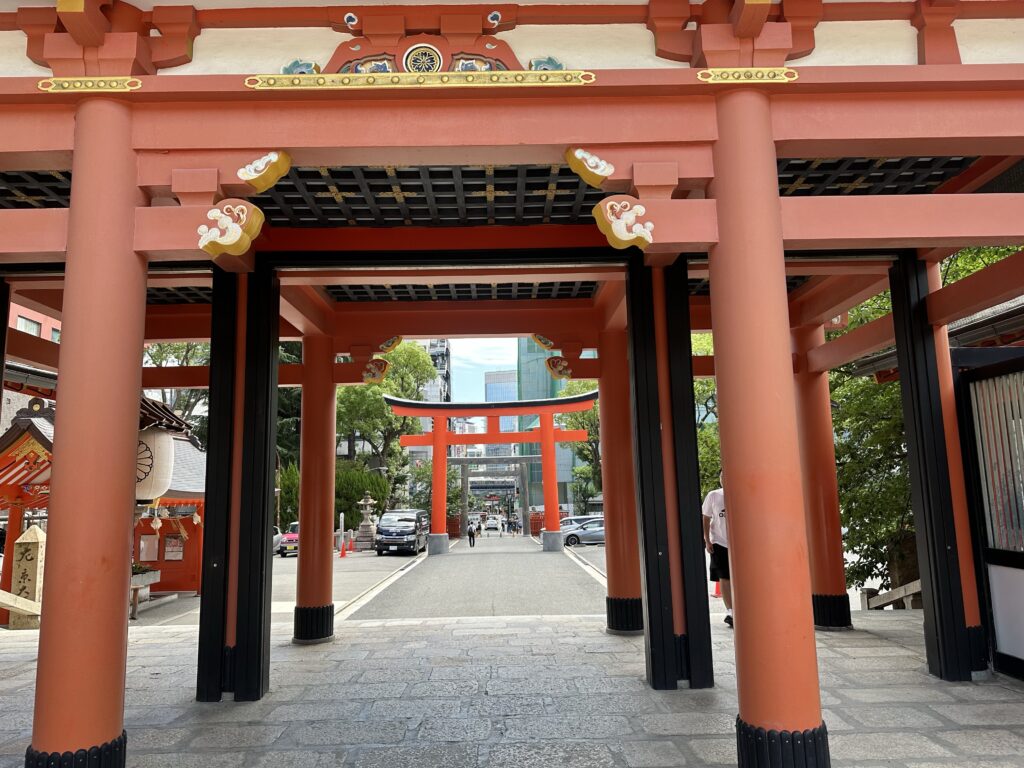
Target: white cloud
point(489, 354)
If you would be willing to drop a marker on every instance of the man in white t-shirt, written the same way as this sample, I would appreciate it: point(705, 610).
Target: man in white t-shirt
point(716, 540)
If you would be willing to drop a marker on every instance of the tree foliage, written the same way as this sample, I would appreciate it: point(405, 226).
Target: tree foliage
point(871, 452)
point(352, 479)
point(289, 408)
point(363, 412)
point(189, 404)
point(288, 482)
point(587, 452)
point(421, 487)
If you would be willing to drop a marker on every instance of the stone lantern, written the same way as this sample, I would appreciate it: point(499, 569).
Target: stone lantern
point(367, 532)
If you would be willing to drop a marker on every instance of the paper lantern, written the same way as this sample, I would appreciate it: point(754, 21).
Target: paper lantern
point(154, 464)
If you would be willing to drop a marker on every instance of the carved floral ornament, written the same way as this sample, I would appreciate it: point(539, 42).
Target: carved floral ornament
point(588, 166)
point(264, 172)
point(375, 371)
point(620, 218)
point(236, 224)
point(558, 367)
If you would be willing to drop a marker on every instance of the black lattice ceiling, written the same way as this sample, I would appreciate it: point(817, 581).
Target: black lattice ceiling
point(867, 175)
point(440, 196)
point(463, 292)
point(449, 196)
point(183, 295)
point(701, 286)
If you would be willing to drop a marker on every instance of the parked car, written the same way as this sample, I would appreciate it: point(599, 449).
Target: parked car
point(571, 523)
point(492, 524)
point(591, 532)
point(290, 541)
point(275, 543)
point(402, 530)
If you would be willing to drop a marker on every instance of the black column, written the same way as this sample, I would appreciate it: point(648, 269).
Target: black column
point(699, 666)
point(5, 308)
point(214, 666)
point(660, 641)
point(947, 641)
point(252, 648)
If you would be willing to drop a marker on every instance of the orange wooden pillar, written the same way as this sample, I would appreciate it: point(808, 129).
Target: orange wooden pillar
point(551, 537)
point(830, 601)
point(776, 665)
point(79, 705)
point(314, 604)
point(958, 489)
point(437, 541)
point(622, 548)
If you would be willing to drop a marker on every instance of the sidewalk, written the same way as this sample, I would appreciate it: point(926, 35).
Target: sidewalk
point(523, 692)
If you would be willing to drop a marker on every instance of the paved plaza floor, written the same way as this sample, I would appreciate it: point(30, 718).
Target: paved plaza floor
point(524, 692)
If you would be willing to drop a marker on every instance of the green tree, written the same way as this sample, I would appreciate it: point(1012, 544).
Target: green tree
point(289, 408)
point(363, 412)
point(587, 452)
point(353, 479)
point(421, 485)
point(189, 404)
point(871, 451)
point(288, 482)
point(705, 396)
point(583, 489)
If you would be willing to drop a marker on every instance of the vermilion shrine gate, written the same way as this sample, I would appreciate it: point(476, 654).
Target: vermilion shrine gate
point(440, 438)
point(436, 172)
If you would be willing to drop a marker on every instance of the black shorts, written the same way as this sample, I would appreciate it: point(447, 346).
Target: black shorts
point(719, 569)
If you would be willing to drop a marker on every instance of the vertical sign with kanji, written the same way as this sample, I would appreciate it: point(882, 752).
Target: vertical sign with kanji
point(27, 581)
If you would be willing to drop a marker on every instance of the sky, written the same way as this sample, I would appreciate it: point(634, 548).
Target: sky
point(471, 358)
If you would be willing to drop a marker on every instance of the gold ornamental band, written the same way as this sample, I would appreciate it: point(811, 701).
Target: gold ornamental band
point(748, 75)
point(503, 79)
point(89, 84)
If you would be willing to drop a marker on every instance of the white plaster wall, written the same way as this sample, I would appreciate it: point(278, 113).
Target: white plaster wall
point(13, 61)
point(990, 41)
point(582, 46)
point(853, 43)
point(258, 51)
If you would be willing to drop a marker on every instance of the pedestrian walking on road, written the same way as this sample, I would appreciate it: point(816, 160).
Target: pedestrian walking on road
point(471, 533)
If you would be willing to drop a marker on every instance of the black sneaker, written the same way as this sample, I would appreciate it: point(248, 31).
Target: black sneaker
point(728, 619)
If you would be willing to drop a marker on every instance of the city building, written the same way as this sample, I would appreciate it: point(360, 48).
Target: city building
point(536, 383)
point(437, 391)
point(501, 386)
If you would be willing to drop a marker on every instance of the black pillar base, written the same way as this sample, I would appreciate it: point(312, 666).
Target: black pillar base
point(625, 614)
point(832, 611)
point(314, 625)
point(109, 755)
point(759, 748)
point(979, 648)
point(682, 657)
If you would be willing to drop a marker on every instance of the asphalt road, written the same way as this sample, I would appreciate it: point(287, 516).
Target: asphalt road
point(508, 576)
point(353, 575)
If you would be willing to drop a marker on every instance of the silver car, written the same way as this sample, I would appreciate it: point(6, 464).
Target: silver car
point(572, 523)
point(591, 532)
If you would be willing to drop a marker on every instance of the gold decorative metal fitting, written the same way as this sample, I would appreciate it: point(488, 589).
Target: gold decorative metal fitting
point(503, 79)
point(89, 84)
point(748, 75)
point(264, 172)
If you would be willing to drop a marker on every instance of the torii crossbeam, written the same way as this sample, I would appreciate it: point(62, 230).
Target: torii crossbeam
point(440, 438)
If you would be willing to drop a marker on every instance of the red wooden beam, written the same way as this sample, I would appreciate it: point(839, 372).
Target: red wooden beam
point(307, 310)
point(986, 288)
point(494, 438)
point(821, 299)
point(33, 234)
point(863, 340)
point(31, 350)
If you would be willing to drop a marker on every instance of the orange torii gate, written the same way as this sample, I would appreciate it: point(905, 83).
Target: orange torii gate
point(440, 438)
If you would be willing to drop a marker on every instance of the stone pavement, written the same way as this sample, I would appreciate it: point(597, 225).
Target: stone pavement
point(528, 692)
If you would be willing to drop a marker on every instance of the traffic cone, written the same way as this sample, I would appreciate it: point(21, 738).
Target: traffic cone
point(351, 544)
point(718, 590)
point(341, 552)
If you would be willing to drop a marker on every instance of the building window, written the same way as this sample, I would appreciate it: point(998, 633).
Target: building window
point(55, 335)
point(29, 326)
